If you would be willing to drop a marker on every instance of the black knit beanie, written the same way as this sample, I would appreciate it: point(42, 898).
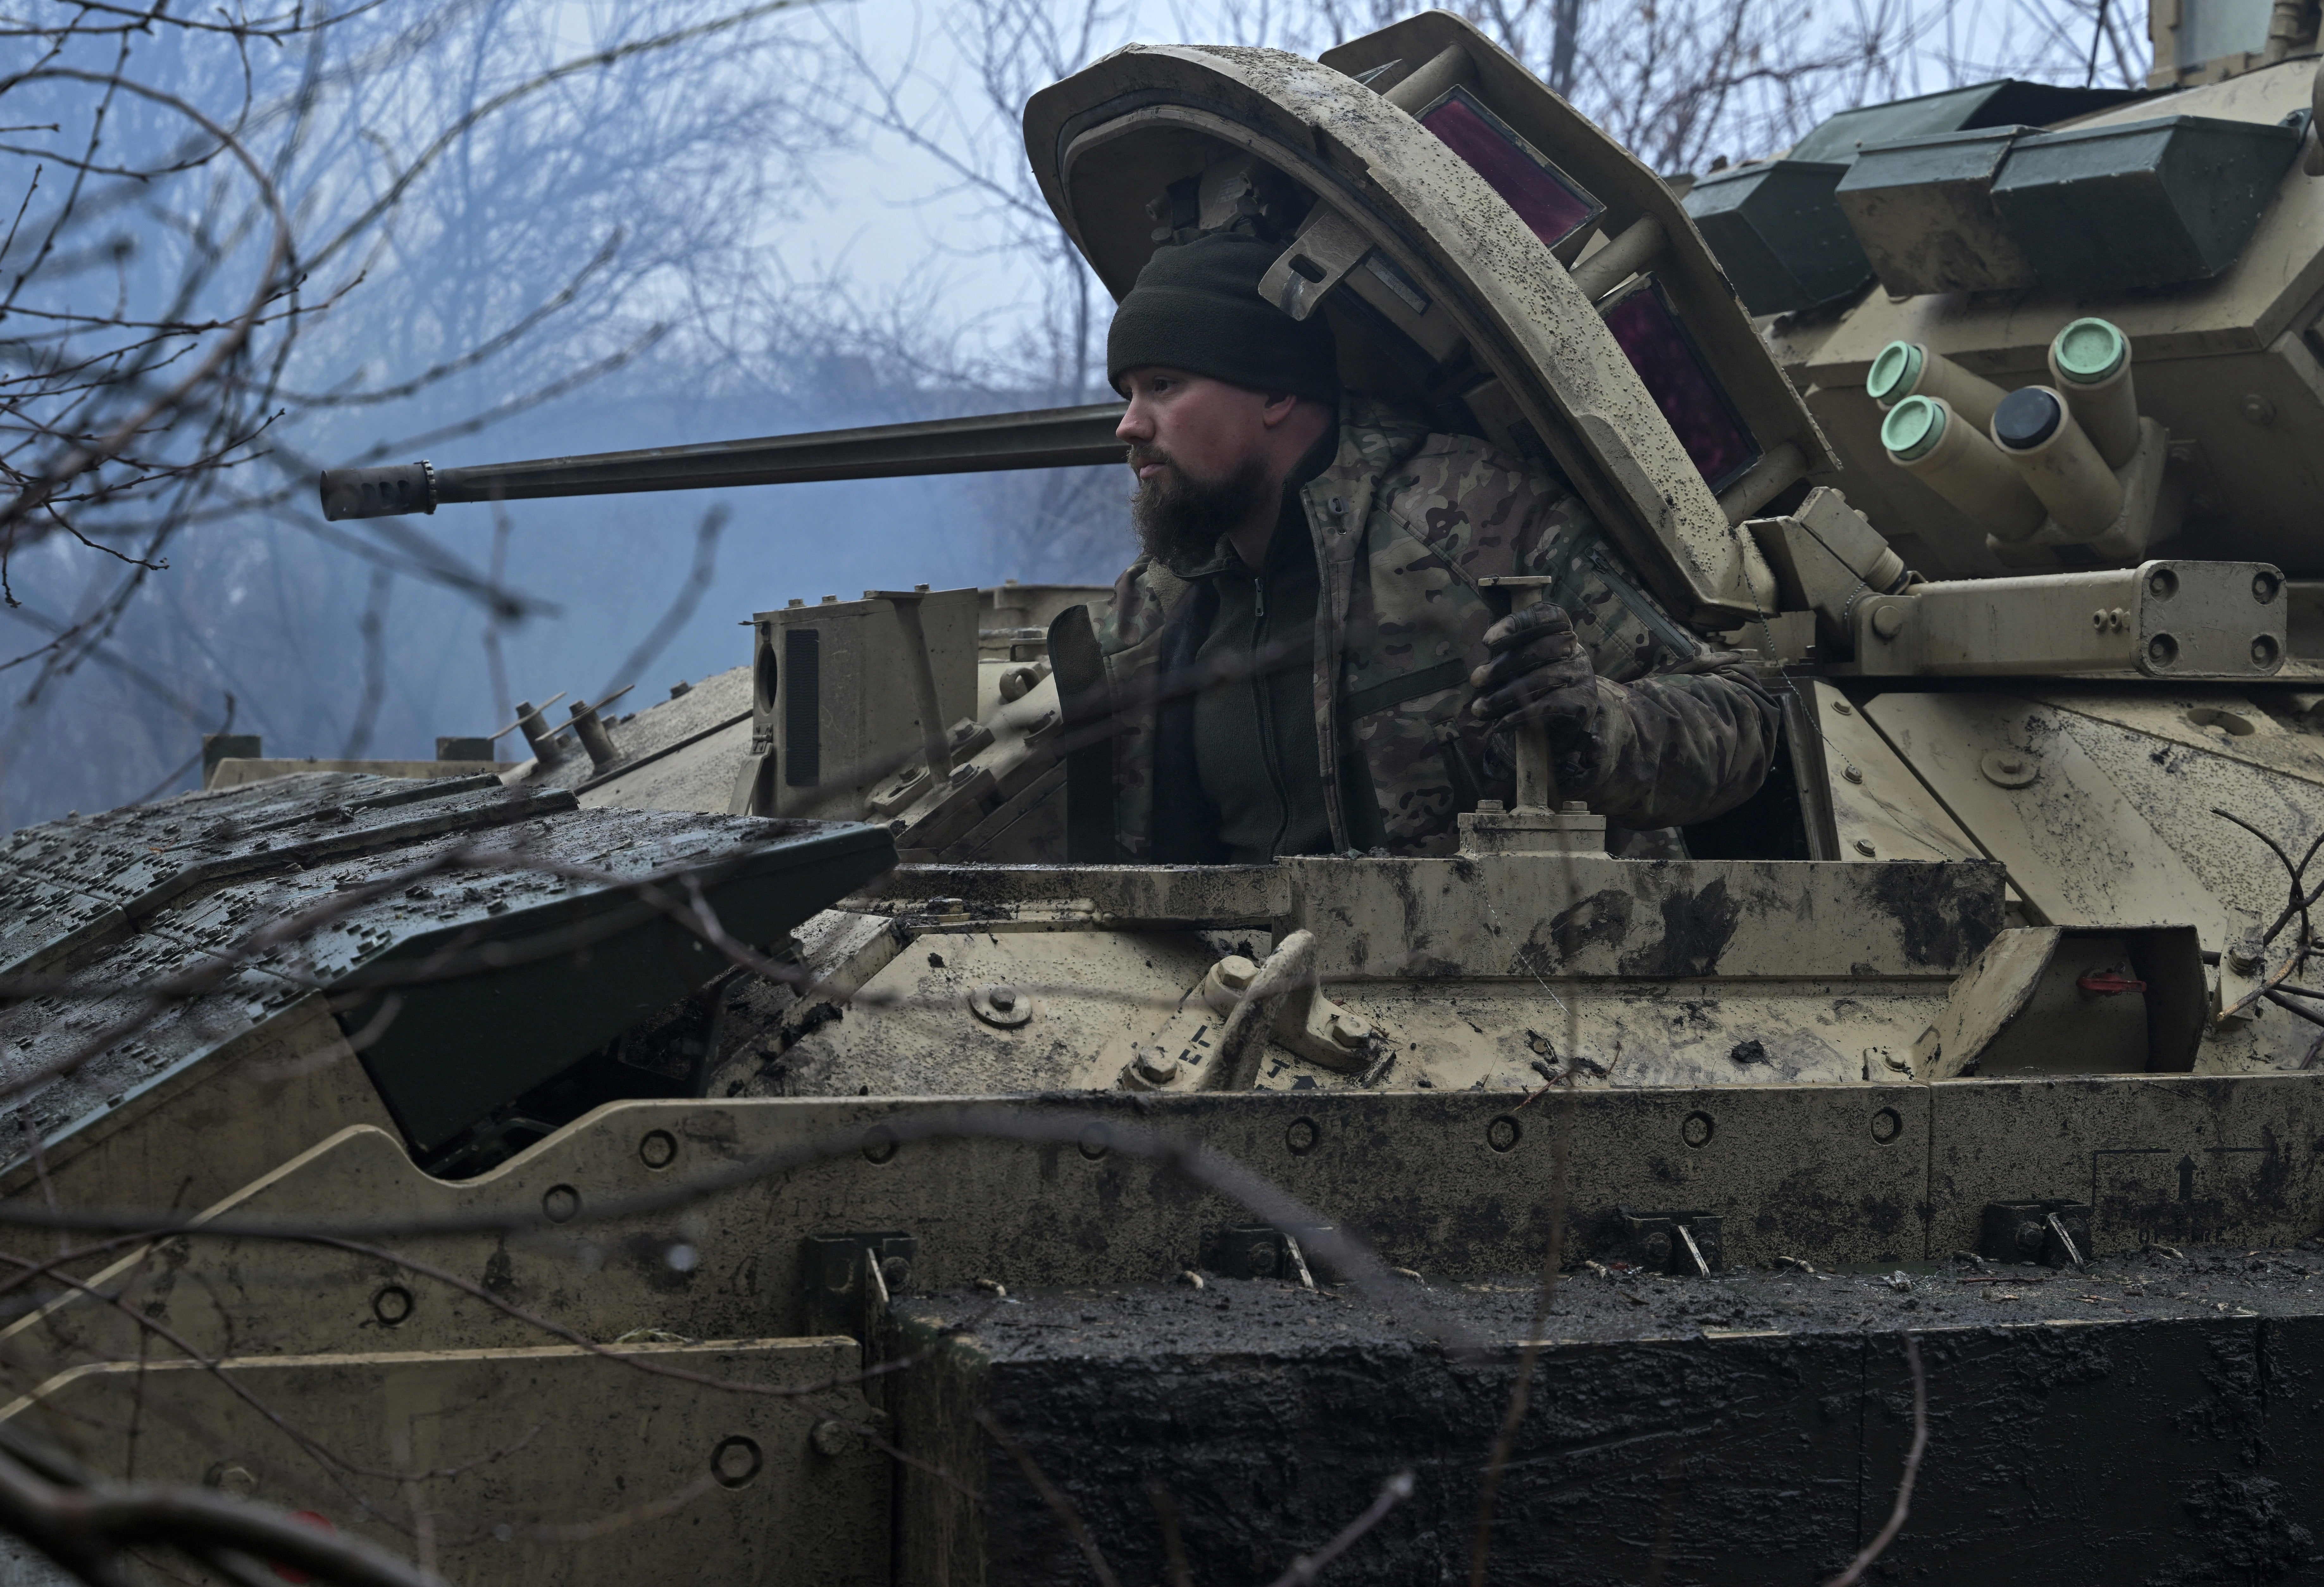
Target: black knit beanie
point(1196, 307)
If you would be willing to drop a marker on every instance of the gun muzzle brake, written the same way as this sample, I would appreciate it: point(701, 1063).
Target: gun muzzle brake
point(378, 492)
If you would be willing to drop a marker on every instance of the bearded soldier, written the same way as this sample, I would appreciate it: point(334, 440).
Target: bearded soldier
point(1303, 662)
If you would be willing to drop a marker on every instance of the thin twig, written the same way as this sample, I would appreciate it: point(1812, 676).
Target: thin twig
point(1904, 1506)
point(1307, 1567)
point(1052, 1497)
point(1174, 1546)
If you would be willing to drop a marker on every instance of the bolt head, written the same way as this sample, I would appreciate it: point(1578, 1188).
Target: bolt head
point(1235, 973)
point(1864, 847)
point(1156, 1069)
point(1350, 1029)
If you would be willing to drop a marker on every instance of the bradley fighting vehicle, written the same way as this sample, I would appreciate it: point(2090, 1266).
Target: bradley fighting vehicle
point(768, 1135)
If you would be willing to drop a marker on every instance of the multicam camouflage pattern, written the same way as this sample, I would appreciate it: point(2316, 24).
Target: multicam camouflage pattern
point(1405, 523)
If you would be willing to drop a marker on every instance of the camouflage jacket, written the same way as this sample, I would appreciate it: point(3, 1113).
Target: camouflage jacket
point(1404, 523)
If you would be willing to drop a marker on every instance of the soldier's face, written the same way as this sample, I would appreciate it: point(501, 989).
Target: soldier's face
point(1199, 449)
point(1203, 431)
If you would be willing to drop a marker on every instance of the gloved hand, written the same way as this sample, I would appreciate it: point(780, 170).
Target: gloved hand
point(1539, 674)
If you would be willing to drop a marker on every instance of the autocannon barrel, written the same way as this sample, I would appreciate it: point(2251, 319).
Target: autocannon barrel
point(1056, 437)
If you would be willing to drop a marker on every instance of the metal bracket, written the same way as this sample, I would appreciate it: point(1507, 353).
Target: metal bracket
point(1680, 1244)
point(1256, 1250)
point(848, 1279)
point(1326, 248)
point(2054, 1232)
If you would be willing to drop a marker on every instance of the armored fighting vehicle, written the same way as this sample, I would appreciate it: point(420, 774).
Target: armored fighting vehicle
point(772, 1135)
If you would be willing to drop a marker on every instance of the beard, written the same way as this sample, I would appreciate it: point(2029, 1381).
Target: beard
point(1180, 518)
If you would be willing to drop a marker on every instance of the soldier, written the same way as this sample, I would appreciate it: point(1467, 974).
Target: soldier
point(1301, 661)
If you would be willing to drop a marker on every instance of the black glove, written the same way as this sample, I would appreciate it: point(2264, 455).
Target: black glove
point(1540, 675)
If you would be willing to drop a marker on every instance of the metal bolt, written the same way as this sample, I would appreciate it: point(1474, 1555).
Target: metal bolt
point(658, 1150)
point(1155, 1067)
point(830, 1438)
point(1864, 847)
point(1350, 1031)
point(1853, 774)
point(1488, 807)
point(559, 1202)
point(896, 1272)
point(998, 1003)
point(1655, 1247)
point(2245, 956)
point(1887, 622)
point(1502, 1133)
point(1696, 1129)
point(1843, 708)
point(735, 1461)
point(2256, 410)
point(879, 1144)
point(1573, 808)
point(1236, 973)
point(1302, 1136)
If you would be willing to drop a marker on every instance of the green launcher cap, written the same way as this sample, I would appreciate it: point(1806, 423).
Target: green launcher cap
point(1895, 373)
point(1912, 427)
point(2090, 350)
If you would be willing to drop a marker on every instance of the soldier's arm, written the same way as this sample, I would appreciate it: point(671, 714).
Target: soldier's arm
point(1677, 746)
point(1684, 733)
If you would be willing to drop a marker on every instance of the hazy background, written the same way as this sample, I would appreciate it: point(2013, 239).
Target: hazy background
point(524, 227)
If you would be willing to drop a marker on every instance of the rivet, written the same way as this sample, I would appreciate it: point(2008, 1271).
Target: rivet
point(1095, 1142)
point(1853, 774)
point(559, 1202)
point(1302, 1136)
point(879, 1144)
point(658, 1150)
point(1502, 1133)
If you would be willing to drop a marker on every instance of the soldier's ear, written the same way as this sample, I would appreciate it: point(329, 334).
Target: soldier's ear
point(1279, 406)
